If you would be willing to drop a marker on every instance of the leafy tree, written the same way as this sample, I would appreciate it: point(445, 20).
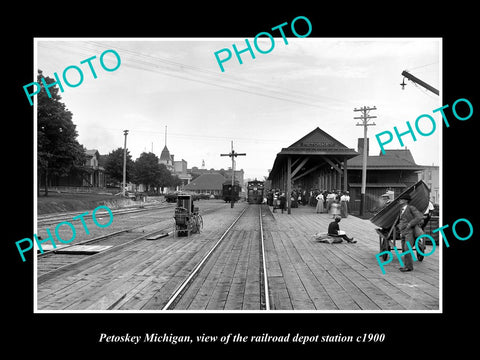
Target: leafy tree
point(175, 181)
point(165, 178)
point(58, 151)
point(114, 166)
point(147, 170)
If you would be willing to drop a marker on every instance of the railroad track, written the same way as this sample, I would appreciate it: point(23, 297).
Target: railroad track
point(49, 219)
point(249, 283)
point(65, 257)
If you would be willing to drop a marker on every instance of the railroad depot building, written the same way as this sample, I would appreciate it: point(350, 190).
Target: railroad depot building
point(318, 161)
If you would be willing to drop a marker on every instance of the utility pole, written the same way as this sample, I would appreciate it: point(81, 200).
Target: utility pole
point(125, 132)
point(419, 82)
point(233, 155)
point(365, 117)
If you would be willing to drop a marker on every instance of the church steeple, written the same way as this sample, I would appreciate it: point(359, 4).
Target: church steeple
point(165, 157)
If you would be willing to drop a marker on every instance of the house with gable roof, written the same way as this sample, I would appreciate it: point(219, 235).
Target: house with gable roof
point(208, 183)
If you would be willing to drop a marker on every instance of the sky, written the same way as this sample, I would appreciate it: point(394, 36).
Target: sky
point(262, 105)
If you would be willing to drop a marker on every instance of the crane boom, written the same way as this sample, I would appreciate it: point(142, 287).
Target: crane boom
point(420, 82)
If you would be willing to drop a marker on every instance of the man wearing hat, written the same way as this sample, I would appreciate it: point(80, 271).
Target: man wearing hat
point(409, 218)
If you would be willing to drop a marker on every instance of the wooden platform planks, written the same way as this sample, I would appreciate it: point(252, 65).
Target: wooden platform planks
point(230, 279)
point(140, 275)
point(341, 276)
point(83, 249)
point(303, 274)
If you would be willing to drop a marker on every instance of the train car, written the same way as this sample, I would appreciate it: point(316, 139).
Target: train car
point(227, 192)
point(255, 192)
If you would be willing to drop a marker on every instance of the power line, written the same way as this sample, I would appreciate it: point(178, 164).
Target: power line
point(197, 136)
point(143, 62)
point(422, 66)
point(214, 74)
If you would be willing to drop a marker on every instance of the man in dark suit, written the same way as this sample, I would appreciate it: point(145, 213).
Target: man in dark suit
point(409, 218)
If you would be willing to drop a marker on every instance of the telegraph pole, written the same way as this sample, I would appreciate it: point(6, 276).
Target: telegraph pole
point(365, 117)
point(125, 132)
point(233, 155)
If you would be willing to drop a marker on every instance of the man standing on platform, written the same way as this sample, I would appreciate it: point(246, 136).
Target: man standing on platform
point(409, 218)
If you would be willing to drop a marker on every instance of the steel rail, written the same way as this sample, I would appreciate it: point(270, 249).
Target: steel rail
point(199, 265)
point(99, 238)
point(41, 278)
point(47, 220)
point(265, 276)
point(106, 236)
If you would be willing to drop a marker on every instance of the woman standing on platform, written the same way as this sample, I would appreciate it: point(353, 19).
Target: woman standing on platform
point(330, 199)
point(335, 209)
point(320, 199)
point(344, 199)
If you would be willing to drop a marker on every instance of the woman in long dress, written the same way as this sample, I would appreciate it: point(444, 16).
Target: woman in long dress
point(335, 209)
point(319, 208)
point(344, 199)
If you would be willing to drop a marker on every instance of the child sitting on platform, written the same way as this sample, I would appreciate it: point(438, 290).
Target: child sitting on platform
point(334, 230)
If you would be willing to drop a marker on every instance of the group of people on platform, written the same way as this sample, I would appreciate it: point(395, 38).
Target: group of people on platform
point(334, 202)
point(276, 199)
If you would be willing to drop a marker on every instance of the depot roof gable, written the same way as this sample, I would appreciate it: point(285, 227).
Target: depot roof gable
point(318, 142)
point(317, 148)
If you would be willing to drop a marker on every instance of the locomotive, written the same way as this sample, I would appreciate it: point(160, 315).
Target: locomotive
point(255, 192)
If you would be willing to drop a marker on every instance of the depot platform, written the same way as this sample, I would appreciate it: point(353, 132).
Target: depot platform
point(310, 275)
point(303, 274)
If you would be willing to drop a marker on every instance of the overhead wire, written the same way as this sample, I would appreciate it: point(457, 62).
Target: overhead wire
point(202, 136)
point(214, 75)
point(143, 62)
point(138, 64)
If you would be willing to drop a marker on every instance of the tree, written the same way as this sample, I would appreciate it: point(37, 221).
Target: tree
point(114, 166)
point(165, 178)
point(58, 150)
point(175, 181)
point(147, 170)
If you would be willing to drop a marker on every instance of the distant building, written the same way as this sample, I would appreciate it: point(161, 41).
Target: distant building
point(166, 159)
point(92, 175)
point(227, 174)
point(178, 168)
point(395, 171)
point(208, 183)
point(431, 176)
point(96, 173)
